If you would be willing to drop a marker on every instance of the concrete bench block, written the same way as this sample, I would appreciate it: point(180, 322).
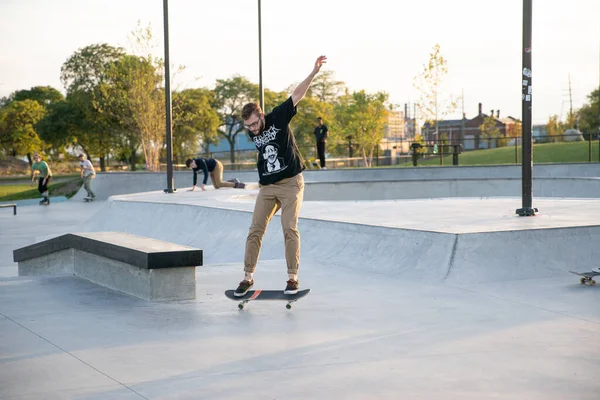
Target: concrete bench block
point(150, 269)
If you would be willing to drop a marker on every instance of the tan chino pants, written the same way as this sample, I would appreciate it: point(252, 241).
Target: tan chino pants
point(216, 177)
point(286, 195)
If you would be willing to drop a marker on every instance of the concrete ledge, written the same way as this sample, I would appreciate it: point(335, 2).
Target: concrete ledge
point(150, 269)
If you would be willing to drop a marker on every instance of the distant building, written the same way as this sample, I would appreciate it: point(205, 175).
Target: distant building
point(473, 139)
point(242, 142)
point(540, 133)
point(395, 127)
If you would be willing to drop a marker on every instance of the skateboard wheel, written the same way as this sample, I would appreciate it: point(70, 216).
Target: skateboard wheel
point(288, 306)
point(582, 280)
point(592, 282)
point(241, 306)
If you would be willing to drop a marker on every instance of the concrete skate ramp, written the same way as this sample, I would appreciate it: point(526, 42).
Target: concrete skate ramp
point(552, 180)
point(403, 253)
point(436, 188)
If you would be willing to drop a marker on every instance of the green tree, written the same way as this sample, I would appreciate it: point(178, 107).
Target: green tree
point(304, 123)
point(554, 129)
point(88, 66)
point(589, 114)
point(58, 128)
point(196, 122)
point(325, 88)
point(514, 130)
point(82, 75)
point(362, 117)
point(273, 99)
point(489, 129)
point(431, 107)
point(230, 96)
point(133, 96)
point(18, 135)
point(44, 95)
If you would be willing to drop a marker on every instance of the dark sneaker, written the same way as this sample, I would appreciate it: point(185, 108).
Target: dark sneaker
point(291, 288)
point(45, 202)
point(243, 288)
point(239, 185)
point(234, 180)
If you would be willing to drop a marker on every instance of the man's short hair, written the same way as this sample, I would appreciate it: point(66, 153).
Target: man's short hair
point(250, 109)
point(81, 156)
point(319, 118)
point(188, 162)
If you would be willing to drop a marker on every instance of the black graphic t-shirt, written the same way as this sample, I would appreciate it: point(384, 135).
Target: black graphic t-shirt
point(278, 154)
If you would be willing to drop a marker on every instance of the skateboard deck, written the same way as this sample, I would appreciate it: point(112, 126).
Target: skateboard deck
point(87, 199)
point(586, 277)
point(267, 295)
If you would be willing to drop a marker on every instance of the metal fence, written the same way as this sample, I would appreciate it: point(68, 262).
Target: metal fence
point(401, 152)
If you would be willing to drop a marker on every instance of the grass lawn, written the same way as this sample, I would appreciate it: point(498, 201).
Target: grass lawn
point(22, 191)
point(542, 153)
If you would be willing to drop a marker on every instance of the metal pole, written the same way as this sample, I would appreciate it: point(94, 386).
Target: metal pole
point(169, 132)
point(526, 104)
point(260, 80)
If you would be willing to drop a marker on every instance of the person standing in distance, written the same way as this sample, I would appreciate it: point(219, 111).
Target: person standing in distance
point(280, 168)
point(321, 132)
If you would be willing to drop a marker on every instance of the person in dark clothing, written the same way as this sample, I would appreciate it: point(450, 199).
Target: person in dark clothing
point(215, 169)
point(321, 132)
point(280, 168)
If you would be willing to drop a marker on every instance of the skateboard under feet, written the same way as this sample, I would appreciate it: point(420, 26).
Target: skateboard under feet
point(586, 277)
point(267, 295)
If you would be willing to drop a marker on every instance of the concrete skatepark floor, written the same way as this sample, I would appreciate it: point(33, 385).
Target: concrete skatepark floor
point(365, 331)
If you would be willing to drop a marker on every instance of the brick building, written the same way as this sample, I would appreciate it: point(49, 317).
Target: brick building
point(473, 139)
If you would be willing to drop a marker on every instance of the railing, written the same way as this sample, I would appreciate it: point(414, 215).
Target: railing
point(396, 152)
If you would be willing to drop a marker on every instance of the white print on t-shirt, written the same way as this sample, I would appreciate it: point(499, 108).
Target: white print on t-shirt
point(272, 163)
point(267, 136)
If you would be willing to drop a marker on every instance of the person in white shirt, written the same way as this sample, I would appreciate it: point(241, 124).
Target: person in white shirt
point(87, 173)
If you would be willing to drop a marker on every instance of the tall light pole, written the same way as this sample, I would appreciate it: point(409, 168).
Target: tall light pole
point(260, 80)
point(526, 101)
point(169, 132)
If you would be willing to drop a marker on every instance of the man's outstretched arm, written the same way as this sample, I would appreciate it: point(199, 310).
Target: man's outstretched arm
point(302, 88)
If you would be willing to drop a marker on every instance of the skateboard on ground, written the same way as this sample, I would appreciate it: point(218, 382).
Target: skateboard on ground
point(267, 295)
point(86, 199)
point(586, 277)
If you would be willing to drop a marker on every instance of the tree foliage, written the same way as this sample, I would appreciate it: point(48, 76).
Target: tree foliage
point(196, 122)
point(18, 135)
point(325, 88)
point(432, 108)
point(363, 117)
point(44, 95)
point(230, 96)
point(489, 129)
point(133, 96)
point(589, 114)
point(87, 67)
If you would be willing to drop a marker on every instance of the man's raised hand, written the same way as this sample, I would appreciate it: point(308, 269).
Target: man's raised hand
point(319, 63)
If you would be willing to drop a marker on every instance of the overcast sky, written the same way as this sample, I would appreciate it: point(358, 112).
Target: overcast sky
point(376, 45)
